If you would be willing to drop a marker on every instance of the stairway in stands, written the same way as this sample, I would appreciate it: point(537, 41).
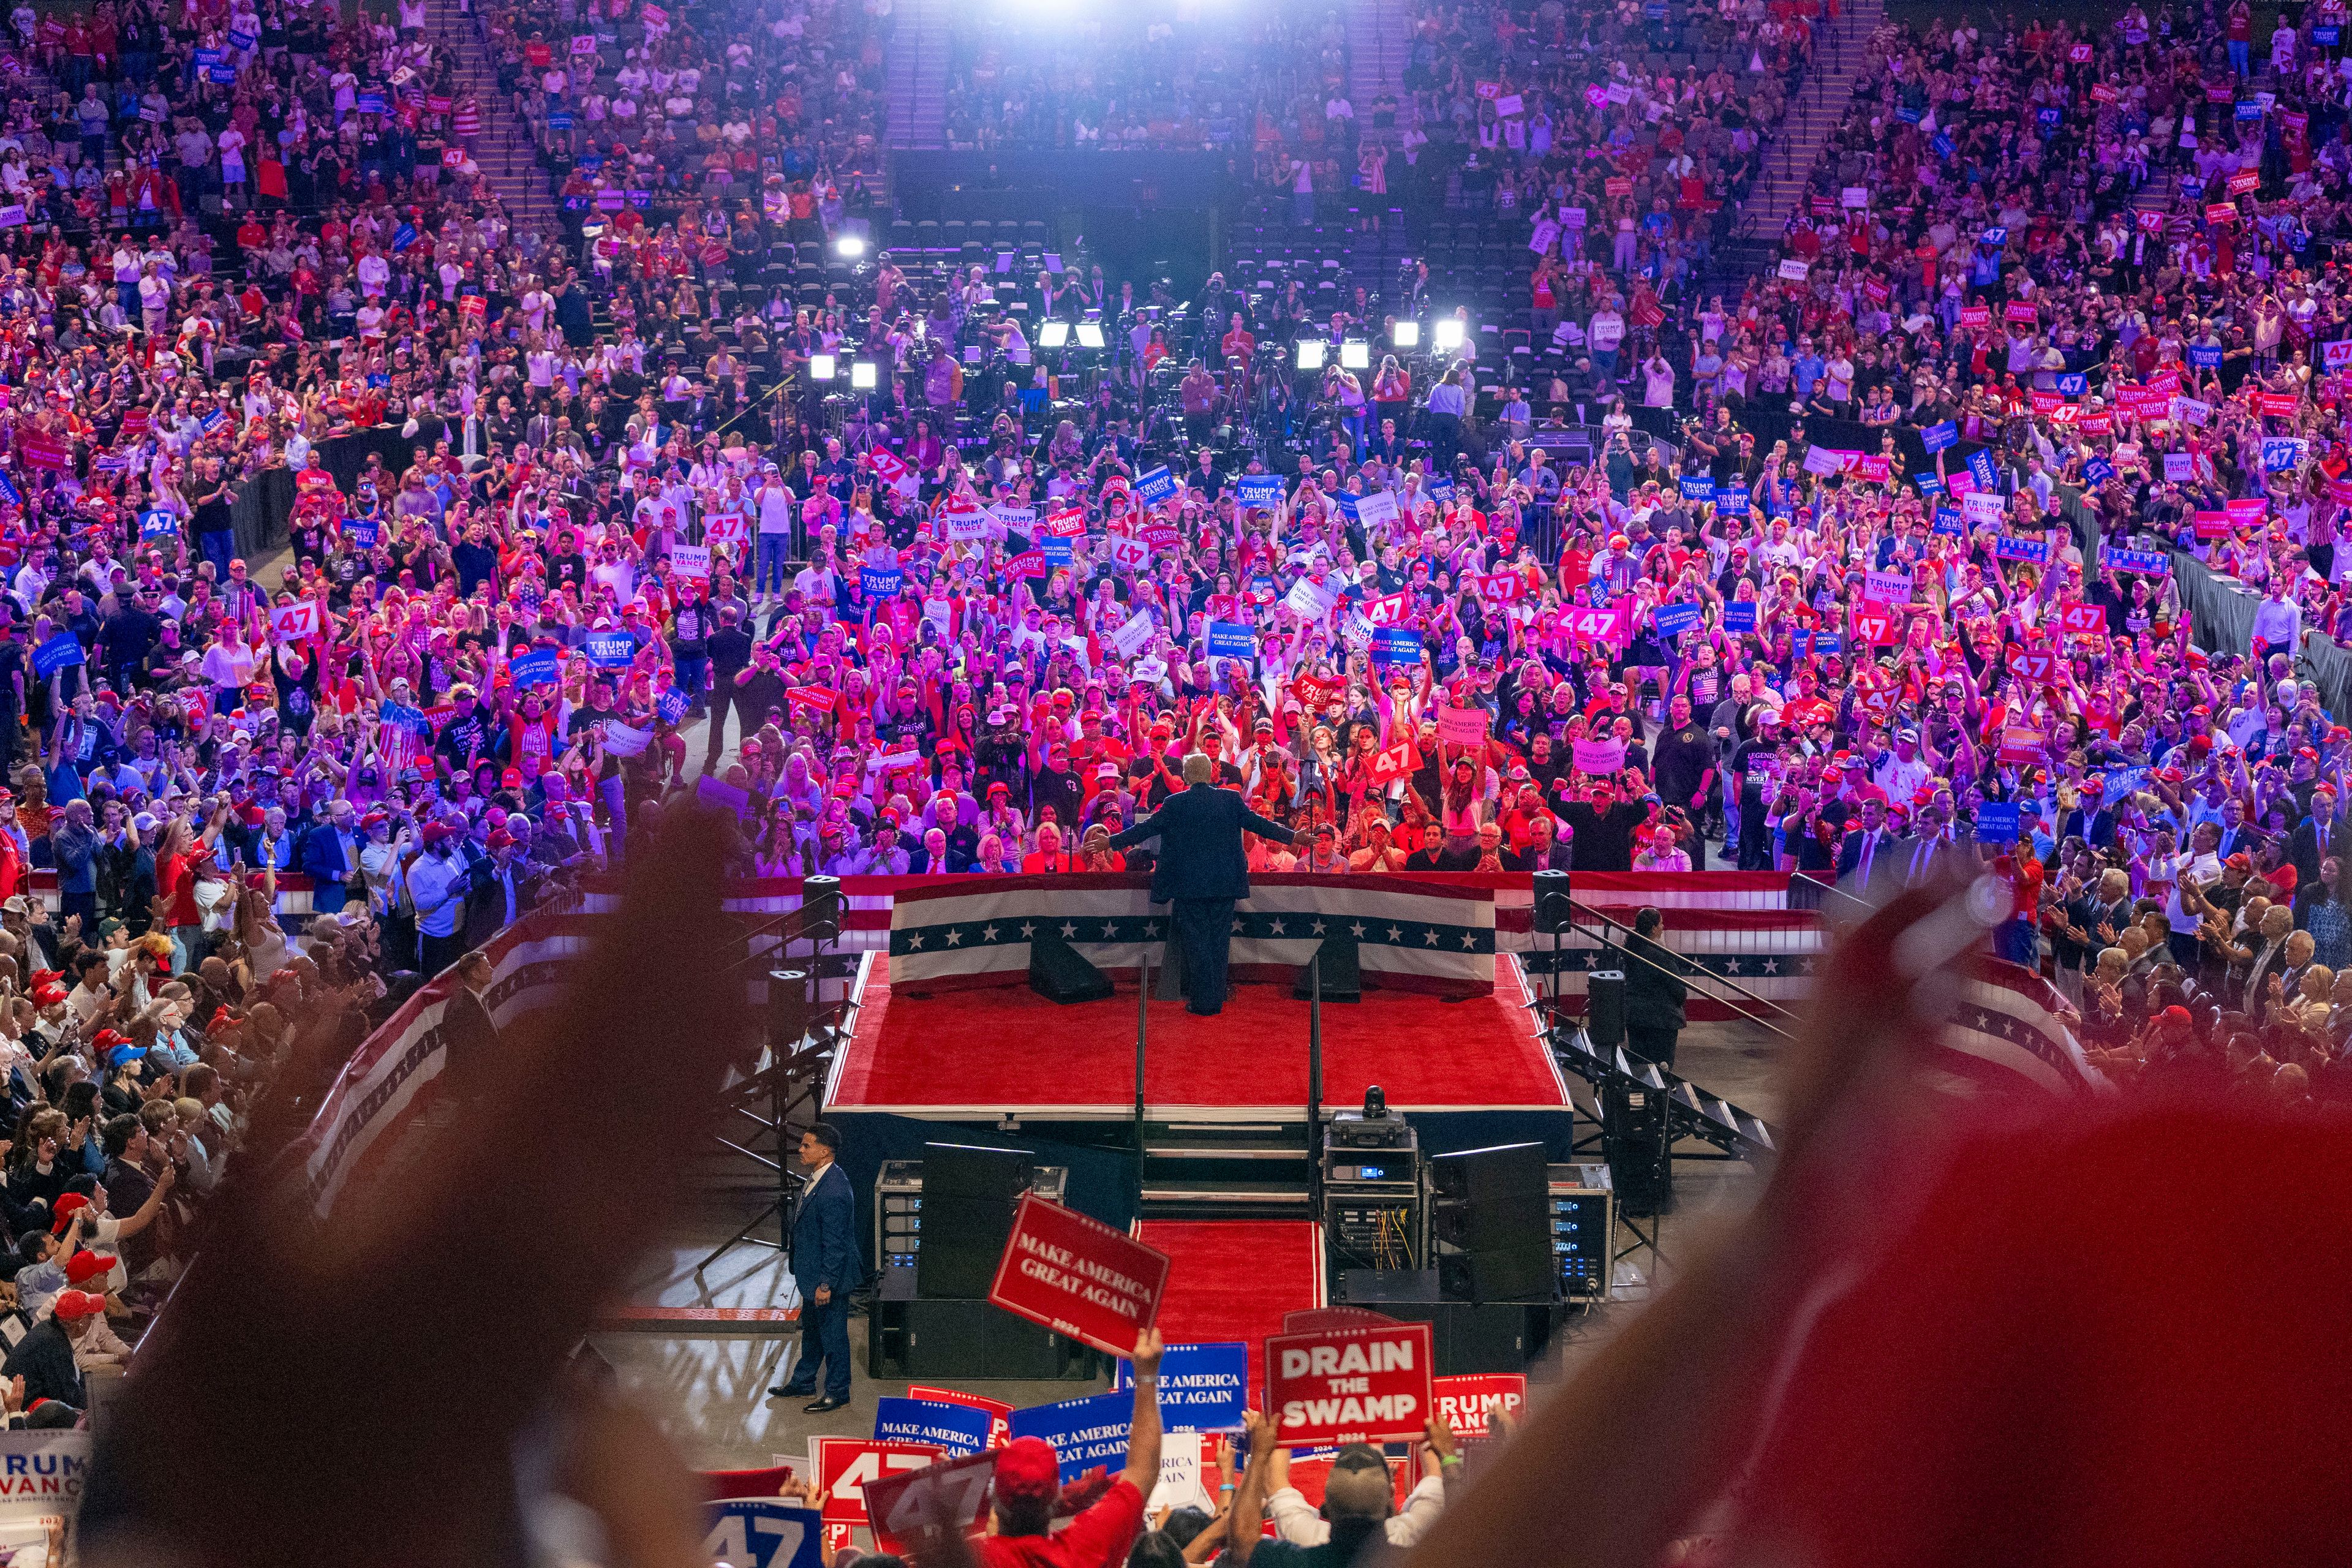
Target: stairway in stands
point(1840, 56)
point(1218, 1170)
point(1380, 41)
point(918, 78)
point(509, 167)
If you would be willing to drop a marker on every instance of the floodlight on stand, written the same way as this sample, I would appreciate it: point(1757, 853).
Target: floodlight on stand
point(1355, 354)
point(1405, 334)
point(1311, 352)
point(821, 367)
point(850, 246)
point(1448, 335)
point(1090, 334)
point(861, 375)
point(1054, 335)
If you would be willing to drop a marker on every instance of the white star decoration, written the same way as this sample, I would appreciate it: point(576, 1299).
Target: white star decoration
point(1277, 928)
point(1318, 929)
point(1069, 930)
point(1470, 940)
point(1395, 933)
point(1110, 929)
point(915, 940)
point(1237, 925)
point(1430, 936)
point(1357, 931)
point(1028, 930)
point(1150, 928)
point(955, 937)
point(988, 934)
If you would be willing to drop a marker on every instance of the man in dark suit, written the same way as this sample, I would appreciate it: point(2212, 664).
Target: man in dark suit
point(1655, 991)
point(2090, 819)
point(330, 859)
point(826, 1268)
point(1865, 867)
point(469, 1040)
point(1201, 873)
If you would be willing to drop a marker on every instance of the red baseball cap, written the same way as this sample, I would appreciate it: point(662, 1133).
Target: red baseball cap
point(1028, 1471)
point(72, 1305)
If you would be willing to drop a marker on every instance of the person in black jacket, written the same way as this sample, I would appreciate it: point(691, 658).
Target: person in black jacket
point(1654, 992)
point(44, 1358)
point(1203, 872)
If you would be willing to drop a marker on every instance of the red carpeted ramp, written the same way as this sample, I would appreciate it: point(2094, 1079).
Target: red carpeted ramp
point(1008, 1050)
point(1234, 1279)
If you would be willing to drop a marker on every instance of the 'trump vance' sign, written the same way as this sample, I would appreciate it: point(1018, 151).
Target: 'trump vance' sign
point(1078, 1277)
point(1348, 1385)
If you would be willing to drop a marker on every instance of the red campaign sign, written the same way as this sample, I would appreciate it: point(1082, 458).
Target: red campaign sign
point(1647, 312)
point(821, 699)
point(1617, 187)
point(2035, 665)
point(2245, 179)
point(1312, 693)
point(1465, 1402)
point(2020, 744)
point(912, 1510)
point(1503, 586)
point(1348, 1385)
point(2220, 212)
point(1589, 624)
point(1389, 610)
point(45, 451)
point(2019, 310)
point(2083, 620)
point(844, 1466)
point(999, 1413)
point(1160, 536)
point(1976, 315)
point(1878, 631)
point(1223, 607)
point(2211, 524)
point(2278, 404)
point(1028, 563)
point(1078, 1277)
point(293, 623)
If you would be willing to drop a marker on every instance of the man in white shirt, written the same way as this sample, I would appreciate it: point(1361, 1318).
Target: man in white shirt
point(374, 275)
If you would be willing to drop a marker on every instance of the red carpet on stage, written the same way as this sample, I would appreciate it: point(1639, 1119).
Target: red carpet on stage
point(1009, 1049)
point(1234, 1278)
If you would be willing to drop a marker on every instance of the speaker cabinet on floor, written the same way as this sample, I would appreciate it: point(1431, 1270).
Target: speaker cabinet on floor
point(1057, 974)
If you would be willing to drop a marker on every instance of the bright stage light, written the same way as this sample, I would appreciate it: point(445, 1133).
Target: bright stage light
point(1310, 353)
point(1090, 334)
point(849, 247)
point(821, 367)
point(1053, 334)
point(861, 375)
point(1405, 334)
point(1448, 336)
point(1356, 354)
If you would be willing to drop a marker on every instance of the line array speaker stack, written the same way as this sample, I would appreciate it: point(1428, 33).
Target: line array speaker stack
point(1491, 1226)
point(969, 1194)
point(1634, 1134)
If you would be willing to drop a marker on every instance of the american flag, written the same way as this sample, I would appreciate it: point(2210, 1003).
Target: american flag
point(2010, 1027)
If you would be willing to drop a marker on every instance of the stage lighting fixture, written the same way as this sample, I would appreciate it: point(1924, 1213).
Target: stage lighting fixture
point(861, 375)
point(821, 367)
point(850, 246)
point(1405, 334)
point(1090, 334)
point(1310, 353)
point(1355, 354)
point(1448, 335)
point(1054, 335)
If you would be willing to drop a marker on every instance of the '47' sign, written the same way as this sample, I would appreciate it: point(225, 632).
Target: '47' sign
point(846, 1466)
point(762, 1532)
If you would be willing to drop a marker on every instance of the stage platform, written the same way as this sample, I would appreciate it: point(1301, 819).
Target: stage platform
point(1007, 1053)
point(1235, 1280)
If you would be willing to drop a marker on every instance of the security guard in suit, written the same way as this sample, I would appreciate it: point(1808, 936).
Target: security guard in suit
point(826, 1268)
point(1201, 871)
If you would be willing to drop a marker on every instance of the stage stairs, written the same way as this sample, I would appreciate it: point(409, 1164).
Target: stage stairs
point(1220, 1170)
point(1692, 1111)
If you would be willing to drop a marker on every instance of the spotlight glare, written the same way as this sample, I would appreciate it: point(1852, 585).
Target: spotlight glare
point(1311, 352)
point(1053, 334)
point(821, 367)
point(1448, 336)
point(1355, 354)
point(1406, 334)
point(861, 375)
point(1090, 334)
point(850, 246)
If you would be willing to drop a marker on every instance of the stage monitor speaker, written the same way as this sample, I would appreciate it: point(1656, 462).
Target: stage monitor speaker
point(1343, 978)
point(1635, 1134)
point(1605, 1008)
point(975, 1339)
point(977, 1173)
point(963, 1240)
point(1057, 974)
point(788, 1008)
point(1553, 914)
point(1507, 1174)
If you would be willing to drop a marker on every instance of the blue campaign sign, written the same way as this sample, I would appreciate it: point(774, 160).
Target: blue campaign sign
point(611, 651)
point(2326, 36)
point(1731, 501)
point(1996, 236)
point(1202, 1387)
point(2098, 470)
point(2154, 562)
point(1088, 1434)
point(1944, 145)
point(208, 58)
point(2051, 117)
point(1156, 486)
point(1740, 615)
point(1260, 490)
point(2009, 547)
point(1699, 487)
point(1827, 643)
point(959, 1429)
point(1674, 620)
point(2074, 384)
point(9, 492)
point(2281, 453)
point(1935, 438)
point(62, 651)
point(1980, 464)
point(363, 531)
point(2122, 782)
point(1908, 115)
point(369, 103)
point(1997, 822)
point(762, 1532)
point(1347, 499)
point(158, 525)
point(1231, 639)
point(241, 40)
point(1441, 491)
point(2250, 109)
point(222, 75)
point(404, 236)
point(1056, 549)
point(1394, 644)
point(541, 667)
point(672, 706)
point(2205, 357)
point(1949, 523)
point(883, 582)
point(1929, 484)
